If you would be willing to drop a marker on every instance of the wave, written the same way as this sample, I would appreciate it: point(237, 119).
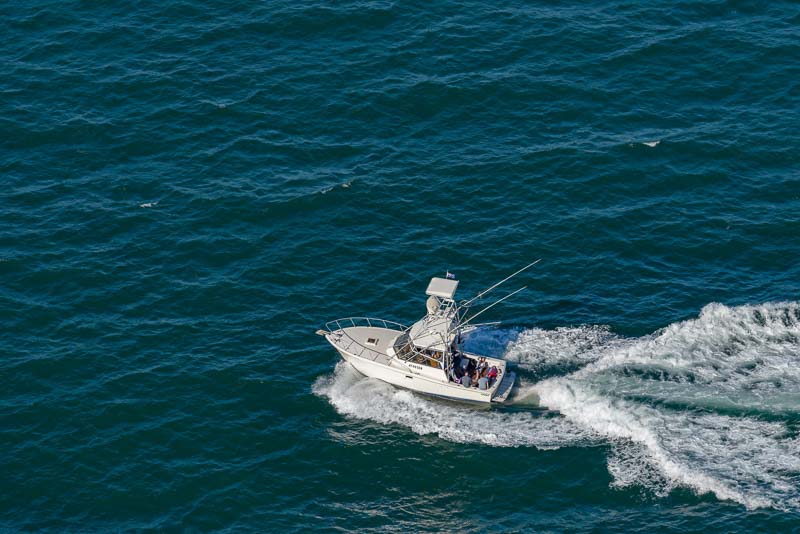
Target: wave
point(711, 404)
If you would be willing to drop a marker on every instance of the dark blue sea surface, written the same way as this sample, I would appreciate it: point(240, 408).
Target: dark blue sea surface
point(190, 190)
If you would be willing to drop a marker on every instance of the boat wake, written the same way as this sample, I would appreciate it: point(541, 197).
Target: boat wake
point(711, 404)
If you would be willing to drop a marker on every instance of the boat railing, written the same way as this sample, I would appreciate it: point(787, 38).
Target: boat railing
point(350, 344)
point(348, 322)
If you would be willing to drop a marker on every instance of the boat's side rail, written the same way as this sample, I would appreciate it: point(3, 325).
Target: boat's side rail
point(347, 322)
point(354, 346)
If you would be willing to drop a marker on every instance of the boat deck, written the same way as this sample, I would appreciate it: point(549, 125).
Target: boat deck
point(370, 342)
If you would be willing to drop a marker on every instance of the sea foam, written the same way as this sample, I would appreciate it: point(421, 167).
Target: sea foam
point(701, 404)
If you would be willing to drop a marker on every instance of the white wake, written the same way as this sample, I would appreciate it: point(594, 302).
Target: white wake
point(710, 404)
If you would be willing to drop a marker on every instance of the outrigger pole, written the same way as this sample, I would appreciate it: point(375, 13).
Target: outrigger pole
point(465, 305)
point(493, 304)
point(482, 293)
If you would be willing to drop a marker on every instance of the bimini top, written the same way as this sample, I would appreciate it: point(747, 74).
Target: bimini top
point(441, 287)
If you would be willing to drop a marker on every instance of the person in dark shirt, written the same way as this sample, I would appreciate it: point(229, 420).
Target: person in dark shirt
point(453, 374)
point(470, 366)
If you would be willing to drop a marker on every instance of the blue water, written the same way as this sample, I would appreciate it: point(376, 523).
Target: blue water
point(190, 190)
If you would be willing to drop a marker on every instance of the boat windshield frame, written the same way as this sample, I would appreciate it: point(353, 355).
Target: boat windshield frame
point(406, 350)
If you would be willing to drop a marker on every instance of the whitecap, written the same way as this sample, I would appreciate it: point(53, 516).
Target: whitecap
point(659, 398)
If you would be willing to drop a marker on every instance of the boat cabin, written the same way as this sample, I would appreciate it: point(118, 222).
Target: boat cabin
point(430, 344)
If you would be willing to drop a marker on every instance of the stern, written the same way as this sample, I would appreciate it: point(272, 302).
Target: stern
point(504, 388)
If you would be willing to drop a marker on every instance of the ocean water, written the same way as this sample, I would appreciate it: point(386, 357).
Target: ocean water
point(190, 190)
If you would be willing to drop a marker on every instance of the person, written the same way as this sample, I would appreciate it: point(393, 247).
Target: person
point(483, 382)
point(466, 380)
point(453, 374)
point(482, 365)
point(492, 374)
point(470, 366)
point(457, 373)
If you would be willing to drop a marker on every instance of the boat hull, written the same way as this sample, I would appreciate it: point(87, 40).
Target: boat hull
point(398, 374)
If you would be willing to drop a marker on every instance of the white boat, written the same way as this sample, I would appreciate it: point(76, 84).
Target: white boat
point(427, 357)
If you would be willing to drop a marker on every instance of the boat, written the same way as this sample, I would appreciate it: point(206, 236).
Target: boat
point(428, 357)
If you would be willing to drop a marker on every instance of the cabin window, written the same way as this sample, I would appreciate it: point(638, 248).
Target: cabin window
point(372, 341)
